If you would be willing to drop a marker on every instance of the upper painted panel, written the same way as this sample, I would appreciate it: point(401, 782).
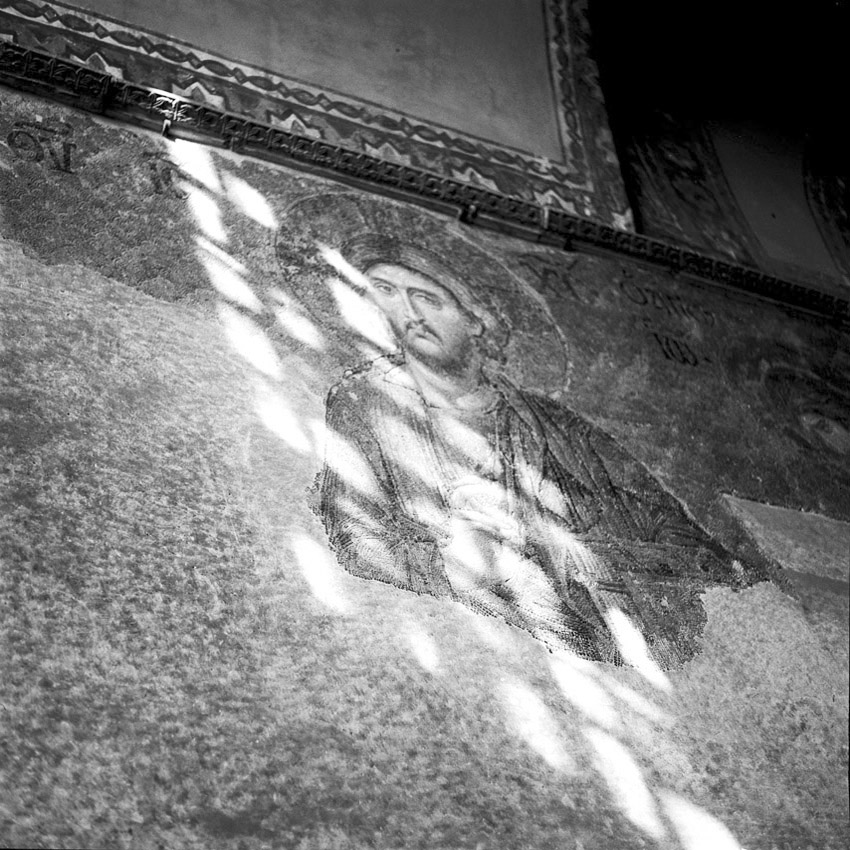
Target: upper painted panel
point(501, 94)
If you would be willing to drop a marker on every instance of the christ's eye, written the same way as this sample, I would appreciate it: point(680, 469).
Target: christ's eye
point(384, 288)
point(428, 298)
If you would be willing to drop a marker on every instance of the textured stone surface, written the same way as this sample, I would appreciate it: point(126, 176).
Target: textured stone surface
point(184, 663)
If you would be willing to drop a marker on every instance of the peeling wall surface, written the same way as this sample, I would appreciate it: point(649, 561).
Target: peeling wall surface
point(328, 522)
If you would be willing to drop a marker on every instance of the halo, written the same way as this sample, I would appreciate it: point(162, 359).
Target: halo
point(535, 356)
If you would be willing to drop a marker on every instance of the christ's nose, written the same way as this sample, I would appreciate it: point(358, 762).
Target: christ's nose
point(412, 313)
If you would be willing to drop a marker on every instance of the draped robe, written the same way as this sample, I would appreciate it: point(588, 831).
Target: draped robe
point(598, 532)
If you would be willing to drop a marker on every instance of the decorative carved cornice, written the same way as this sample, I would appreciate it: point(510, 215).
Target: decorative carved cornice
point(584, 180)
point(177, 117)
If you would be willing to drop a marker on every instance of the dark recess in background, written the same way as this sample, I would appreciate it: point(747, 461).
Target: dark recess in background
point(783, 66)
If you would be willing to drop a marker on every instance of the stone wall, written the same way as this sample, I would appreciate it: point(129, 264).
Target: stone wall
point(228, 616)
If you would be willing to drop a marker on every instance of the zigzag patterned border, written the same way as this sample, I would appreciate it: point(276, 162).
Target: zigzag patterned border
point(588, 181)
point(178, 117)
point(585, 103)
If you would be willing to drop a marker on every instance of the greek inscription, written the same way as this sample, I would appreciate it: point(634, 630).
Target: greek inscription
point(665, 302)
point(31, 141)
point(674, 348)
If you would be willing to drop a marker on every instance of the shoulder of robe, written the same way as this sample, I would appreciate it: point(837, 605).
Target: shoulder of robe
point(351, 378)
point(360, 381)
point(555, 411)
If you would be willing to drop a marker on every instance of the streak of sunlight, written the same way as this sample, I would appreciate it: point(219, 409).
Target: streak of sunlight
point(583, 692)
point(334, 259)
point(368, 352)
point(533, 722)
point(423, 647)
point(626, 783)
point(294, 322)
point(639, 703)
point(361, 314)
point(249, 201)
point(319, 431)
point(249, 341)
point(276, 414)
point(400, 450)
point(319, 570)
point(347, 462)
point(469, 563)
point(634, 649)
point(196, 161)
point(226, 275)
point(697, 829)
point(486, 628)
point(206, 211)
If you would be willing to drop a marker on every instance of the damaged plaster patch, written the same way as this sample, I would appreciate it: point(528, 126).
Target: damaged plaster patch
point(806, 542)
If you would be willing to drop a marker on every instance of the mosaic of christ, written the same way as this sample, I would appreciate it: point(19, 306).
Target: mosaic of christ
point(447, 475)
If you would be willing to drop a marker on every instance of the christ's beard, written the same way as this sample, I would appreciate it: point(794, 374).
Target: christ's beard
point(457, 363)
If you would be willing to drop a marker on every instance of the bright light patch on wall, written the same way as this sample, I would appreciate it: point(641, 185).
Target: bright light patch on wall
point(639, 703)
point(276, 414)
point(468, 564)
point(346, 461)
point(334, 259)
point(226, 275)
point(532, 721)
point(487, 629)
point(399, 451)
point(697, 829)
point(361, 315)
point(206, 212)
point(626, 783)
point(249, 201)
point(196, 161)
point(585, 694)
point(634, 650)
point(319, 570)
point(319, 431)
point(368, 352)
point(292, 319)
point(423, 647)
point(249, 342)
point(588, 566)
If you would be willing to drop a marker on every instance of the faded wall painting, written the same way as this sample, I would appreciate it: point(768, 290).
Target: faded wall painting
point(815, 409)
point(450, 472)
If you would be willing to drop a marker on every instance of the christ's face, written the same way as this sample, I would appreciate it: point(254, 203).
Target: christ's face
point(427, 319)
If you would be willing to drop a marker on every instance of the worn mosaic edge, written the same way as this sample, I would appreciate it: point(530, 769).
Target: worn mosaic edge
point(178, 117)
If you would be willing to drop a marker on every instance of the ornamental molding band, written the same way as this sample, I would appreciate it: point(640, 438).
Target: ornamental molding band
point(178, 117)
point(585, 180)
point(683, 195)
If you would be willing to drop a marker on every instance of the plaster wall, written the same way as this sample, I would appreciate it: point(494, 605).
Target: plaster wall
point(429, 61)
point(765, 172)
point(185, 659)
point(504, 97)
